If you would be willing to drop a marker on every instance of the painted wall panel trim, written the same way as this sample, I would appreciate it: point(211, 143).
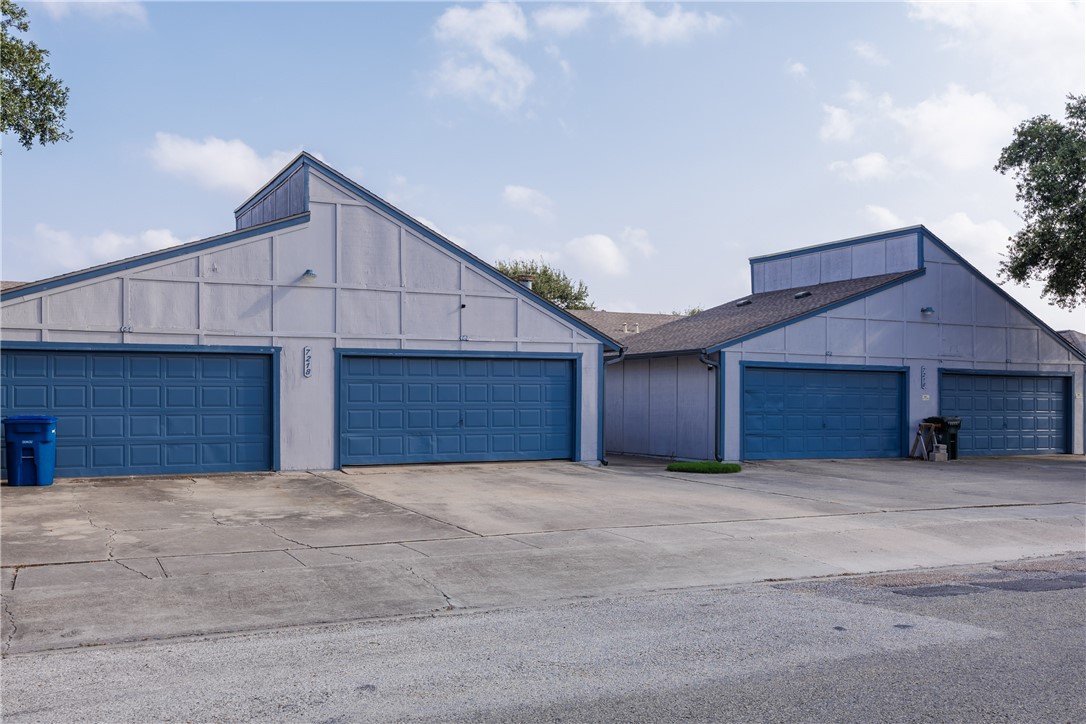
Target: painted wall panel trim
point(853, 241)
point(432, 236)
point(154, 257)
point(814, 313)
point(999, 290)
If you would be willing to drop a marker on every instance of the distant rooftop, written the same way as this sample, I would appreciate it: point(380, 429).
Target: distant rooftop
point(620, 325)
point(9, 285)
point(1077, 339)
point(751, 314)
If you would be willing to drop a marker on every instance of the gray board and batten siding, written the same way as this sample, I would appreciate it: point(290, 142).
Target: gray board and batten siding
point(841, 324)
point(381, 283)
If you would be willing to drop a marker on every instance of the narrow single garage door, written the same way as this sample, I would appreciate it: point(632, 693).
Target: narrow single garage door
point(146, 413)
point(444, 409)
point(815, 413)
point(1007, 414)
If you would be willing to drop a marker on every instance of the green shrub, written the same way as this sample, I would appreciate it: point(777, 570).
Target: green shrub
point(705, 466)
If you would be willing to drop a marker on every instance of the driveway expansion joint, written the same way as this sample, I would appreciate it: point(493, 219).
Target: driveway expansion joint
point(396, 505)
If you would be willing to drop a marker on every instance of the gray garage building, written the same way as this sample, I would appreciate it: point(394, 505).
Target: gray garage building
point(328, 329)
point(840, 351)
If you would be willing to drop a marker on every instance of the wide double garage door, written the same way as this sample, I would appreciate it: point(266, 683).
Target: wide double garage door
point(145, 413)
point(415, 409)
point(1008, 414)
point(822, 413)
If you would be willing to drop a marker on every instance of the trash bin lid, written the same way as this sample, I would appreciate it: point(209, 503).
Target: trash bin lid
point(49, 419)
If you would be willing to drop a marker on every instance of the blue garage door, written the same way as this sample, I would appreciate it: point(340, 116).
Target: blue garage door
point(145, 413)
point(814, 413)
point(1007, 414)
point(445, 409)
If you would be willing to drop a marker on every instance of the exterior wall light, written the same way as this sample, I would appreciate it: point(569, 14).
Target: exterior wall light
point(309, 275)
point(927, 311)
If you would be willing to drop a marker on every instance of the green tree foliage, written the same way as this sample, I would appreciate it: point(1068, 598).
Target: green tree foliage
point(548, 282)
point(1048, 160)
point(34, 102)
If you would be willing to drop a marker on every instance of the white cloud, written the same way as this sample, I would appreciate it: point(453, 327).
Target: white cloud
point(958, 129)
point(856, 93)
point(54, 251)
point(132, 11)
point(638, 240)
point(868, 52)
point(478, 65)
point(882, 217)
point(216, 163)
point(562, 19)
point(871, 166)
point(534, 202)
point(1031, 49)
point(555, 53)
point(676, 26)
point(797, 69)
point(838, 124)
point(980, 242)
point(598, 252)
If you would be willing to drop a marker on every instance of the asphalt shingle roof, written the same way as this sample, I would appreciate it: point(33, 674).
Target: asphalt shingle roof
point(1076, 338)
point(727, 322)
point(620, 325)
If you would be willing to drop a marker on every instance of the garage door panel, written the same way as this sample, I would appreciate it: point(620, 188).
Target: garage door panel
point(1007, 414)
point(456, 409)
point(140, 413)
point(821, 413)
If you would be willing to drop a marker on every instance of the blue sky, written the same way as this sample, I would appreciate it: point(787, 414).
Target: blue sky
point(648, 149)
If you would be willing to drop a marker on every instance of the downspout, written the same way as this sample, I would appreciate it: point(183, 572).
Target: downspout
point(603, 410)
point(704, 359)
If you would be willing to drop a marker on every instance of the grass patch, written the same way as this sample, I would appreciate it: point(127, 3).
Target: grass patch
point(706, 466)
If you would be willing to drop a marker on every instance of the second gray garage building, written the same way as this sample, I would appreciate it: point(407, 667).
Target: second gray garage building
point(840, 351)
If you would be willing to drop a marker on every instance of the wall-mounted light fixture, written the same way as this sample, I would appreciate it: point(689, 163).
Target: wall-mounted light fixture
point(309, 275)
point(927, 311)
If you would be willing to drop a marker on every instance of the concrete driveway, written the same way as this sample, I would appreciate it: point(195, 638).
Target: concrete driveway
point(103, 561)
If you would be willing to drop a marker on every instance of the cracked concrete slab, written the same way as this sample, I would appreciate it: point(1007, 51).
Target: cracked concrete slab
point(469, 546)
point(184, 606)
point(80, 574)
point(573, 539)
point(219, 563)
point(260, 551)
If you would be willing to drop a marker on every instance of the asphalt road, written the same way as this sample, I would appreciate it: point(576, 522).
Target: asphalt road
point(1010, 645)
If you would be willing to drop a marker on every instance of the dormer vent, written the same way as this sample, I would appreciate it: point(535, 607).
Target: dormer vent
point(743, 303)
point(801, 295)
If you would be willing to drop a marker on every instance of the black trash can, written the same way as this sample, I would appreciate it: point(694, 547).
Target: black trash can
point(953, 424)
point(30, 449)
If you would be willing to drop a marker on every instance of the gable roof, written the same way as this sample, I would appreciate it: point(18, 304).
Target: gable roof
point(305, 161)
point(289, 184)
point(729, 323)
point(620, 325)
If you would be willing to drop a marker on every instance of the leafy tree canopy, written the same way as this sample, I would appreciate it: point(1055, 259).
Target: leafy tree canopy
point(34, 102)
point(548, 282)
point(1048, 161)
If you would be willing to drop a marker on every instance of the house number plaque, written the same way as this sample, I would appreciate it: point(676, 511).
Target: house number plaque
point(307, 361)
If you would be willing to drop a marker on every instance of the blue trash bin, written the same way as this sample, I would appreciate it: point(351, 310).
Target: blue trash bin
point(31, 449)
